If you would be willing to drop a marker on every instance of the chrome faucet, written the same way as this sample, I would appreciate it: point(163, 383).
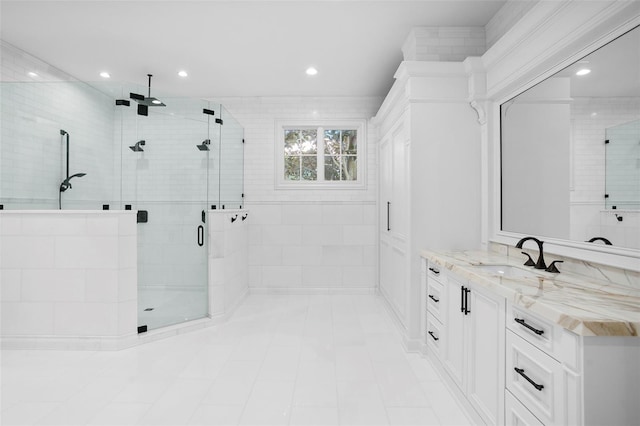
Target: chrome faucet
point(540, 263)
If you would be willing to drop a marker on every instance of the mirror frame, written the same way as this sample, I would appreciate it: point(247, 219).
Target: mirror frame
point(618, 257)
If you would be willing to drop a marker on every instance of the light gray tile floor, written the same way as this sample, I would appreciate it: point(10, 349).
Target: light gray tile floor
point(279, 360)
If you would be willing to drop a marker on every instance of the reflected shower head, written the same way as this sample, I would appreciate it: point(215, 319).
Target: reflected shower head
point(138, 146)
point(204, 146)
point(66, 184)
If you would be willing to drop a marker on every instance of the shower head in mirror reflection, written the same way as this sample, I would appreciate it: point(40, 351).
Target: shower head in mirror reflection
point(137, 147)
point(204, 146)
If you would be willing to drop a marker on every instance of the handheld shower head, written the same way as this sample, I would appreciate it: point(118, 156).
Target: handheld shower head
point(138, 146)
point(66, 184)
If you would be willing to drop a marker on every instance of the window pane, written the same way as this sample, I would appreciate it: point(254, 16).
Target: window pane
point(349, 141)
point(349, 168)
point(292, 168)
point(309, 168)
point(308, 141)
point(331, 167)
point(332, 142)
point(291, 145)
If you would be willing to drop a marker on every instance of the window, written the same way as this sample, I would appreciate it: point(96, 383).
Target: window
point(327, 154)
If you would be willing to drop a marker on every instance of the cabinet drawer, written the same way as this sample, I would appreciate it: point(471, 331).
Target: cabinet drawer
point(434, 335)
point(434, 272)
point(435, 303)
point(531, 328)
point(535, 379)
point(517, 414)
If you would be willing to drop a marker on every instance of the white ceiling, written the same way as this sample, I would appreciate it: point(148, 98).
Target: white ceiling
point(233, 48)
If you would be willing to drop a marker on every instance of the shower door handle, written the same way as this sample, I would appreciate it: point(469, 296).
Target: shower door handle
point(200, 235)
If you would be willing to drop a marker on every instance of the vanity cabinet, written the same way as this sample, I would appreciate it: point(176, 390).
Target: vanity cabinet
point(562, 378)
point(510, 365)
point(469, 325)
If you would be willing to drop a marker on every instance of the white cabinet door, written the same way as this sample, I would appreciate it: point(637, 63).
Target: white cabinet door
point(485, 349)
point(393, 214)
point(399, 209)
point(454, 342)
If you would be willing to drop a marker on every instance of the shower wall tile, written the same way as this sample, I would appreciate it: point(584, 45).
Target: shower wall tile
point(127, 317)
point(62, 288)
point(27, 318)
point(53, 285)
point(25, 251)
point(103, 226)
point(10, 285)
point(33, 151)
point(127, 284)
point(90, 252)
point(85, 319)
point(99, 285)
point(47, 224)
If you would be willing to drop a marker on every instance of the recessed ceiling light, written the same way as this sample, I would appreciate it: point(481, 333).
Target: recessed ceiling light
point(32, 74)
point(182, 73)
point(583, 71)
point(311, 71)
point(105, 74)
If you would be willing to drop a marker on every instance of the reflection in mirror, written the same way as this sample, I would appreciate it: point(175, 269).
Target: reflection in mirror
point(559, 179)
point(622, 166)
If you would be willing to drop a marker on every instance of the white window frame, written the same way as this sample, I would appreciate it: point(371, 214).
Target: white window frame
point(361, 156)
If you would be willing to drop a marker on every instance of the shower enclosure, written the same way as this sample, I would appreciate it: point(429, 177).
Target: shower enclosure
point(156, 164)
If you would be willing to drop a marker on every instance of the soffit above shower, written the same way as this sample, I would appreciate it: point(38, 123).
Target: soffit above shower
point(233, 48)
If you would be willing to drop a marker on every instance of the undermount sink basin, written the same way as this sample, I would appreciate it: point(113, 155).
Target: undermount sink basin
point(506, 271)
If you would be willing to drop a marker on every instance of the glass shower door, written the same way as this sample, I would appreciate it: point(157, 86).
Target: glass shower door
point(170, 190)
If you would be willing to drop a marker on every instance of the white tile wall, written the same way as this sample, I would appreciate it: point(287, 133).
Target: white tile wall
point(306, 240)
point(590, 118)
point(33, 152)
point(444, 43)
point(67, 275)
point(228, 273)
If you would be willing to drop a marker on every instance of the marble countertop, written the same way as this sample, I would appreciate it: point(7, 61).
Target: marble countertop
point(584, 305)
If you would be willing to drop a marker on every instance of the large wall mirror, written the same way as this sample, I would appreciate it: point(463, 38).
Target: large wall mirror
point(570, 151)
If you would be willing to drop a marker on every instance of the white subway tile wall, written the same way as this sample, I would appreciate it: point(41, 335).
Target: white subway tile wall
point(33, 160)
point(444, 43)
point(306, 240)
point(69, 274)
point(590, 119)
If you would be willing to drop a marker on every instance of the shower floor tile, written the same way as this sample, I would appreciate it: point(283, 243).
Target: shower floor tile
point(257, 368)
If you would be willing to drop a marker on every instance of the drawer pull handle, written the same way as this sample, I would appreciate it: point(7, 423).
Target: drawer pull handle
point(435, 271)
point(433, 336)
point(433, 298)
point(520, 371)
point(524, 324)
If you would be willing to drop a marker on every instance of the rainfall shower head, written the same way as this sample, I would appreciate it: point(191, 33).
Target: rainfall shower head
point(204, 146)
point(66, 184)
point(146, 100)
point(138, 146)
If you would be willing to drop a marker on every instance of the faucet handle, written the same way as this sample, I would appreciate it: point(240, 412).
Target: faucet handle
point(553, 268)
point(529, 261)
